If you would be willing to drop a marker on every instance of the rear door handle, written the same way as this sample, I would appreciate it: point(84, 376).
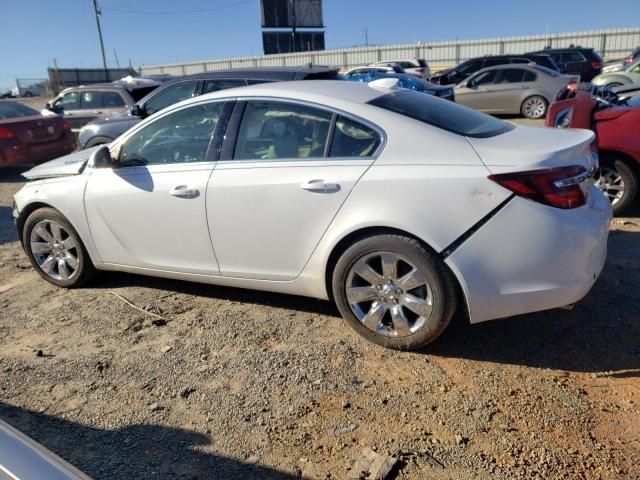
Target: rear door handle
point(183, 191)
point(97, 111)
point(320, 185)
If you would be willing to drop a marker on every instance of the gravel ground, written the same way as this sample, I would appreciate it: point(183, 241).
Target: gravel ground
point(242, 384)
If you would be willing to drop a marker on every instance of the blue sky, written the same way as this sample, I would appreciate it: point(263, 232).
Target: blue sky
point(34, 32)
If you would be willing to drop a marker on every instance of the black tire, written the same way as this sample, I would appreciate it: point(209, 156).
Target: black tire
point(28, 94)
point(534, 116)
point(629, 178)
point(84, 270)
point(440, 281)
point(98, 141)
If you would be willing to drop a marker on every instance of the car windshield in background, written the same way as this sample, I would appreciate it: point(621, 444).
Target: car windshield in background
point(15, 110)
point(139, 93)
point(546, 70)
point(442, 114)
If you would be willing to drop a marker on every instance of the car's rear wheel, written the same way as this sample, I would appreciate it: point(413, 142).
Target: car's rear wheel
point(55, 249)
point(619, 182)
point(28, 94)
point(534, 107)
point(393, 292)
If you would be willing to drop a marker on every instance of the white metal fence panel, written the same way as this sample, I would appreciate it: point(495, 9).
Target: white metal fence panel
point(612, 44)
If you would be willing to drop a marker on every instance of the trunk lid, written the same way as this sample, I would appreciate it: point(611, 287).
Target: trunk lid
point(71, 164)
point(532, 148)
point(36, 128)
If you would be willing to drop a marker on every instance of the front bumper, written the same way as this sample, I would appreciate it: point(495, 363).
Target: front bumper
point(531, 257)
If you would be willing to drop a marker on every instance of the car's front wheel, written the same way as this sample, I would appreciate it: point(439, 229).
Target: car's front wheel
point(393, 292)
point(619, 182)
point(534, 107)
point(55, 249)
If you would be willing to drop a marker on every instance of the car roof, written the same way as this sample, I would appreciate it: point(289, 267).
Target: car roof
point(336, 93)
point(263, 73)
point(510, 66)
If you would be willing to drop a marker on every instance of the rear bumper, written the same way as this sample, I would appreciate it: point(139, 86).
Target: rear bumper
point(16, 153)
point(531, 257)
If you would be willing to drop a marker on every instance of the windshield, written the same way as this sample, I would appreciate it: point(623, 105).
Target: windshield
point(442, 114)
point(15, 110)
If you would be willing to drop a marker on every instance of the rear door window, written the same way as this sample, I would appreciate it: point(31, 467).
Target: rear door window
point(352, 139)
point(91, 100)
point(112, 100)
point(511, 75)
point(169, 95)
point(529, 76)
point(572, 57)
point(273, 130)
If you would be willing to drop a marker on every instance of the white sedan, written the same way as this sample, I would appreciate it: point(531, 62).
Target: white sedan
point(398, 206)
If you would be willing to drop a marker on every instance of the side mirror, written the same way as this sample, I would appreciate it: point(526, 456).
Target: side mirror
point(101, 158)
point(51, 106)
point(137, 111)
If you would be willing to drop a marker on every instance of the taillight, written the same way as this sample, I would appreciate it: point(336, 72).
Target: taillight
point(6, 133)
point(596, 64)
point(420, 70)
point(66, 125)
point(556, 187)
point(628, 60)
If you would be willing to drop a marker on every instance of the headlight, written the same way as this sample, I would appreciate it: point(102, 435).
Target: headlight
point(563, 119)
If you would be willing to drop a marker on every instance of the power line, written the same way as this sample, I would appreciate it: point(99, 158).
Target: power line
point(178, 12)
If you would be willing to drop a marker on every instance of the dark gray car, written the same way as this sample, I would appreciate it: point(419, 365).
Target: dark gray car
point(108, 129)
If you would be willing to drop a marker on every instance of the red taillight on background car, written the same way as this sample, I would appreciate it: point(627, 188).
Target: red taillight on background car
point(628, 60)
point(556, 187)
point(6, 133)
point(66, 125)
point(420, 70)
point(596, 64)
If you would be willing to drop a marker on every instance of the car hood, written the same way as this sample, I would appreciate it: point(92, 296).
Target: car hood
point(530, 148)
point(71, 164)
point(441, 73)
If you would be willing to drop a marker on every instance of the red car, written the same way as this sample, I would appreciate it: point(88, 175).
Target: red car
point(616, 123)
point(26, 136)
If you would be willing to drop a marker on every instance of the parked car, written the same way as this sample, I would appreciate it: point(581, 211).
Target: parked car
point(108, 129)
point(23, 459)
point(512, 89)
point(407, 81)
point(628, 76)
point(391, 68)
point(615, 119)
point(26, 136)
point(413, 66)
point(418, 205)
point(80, 105)
point(622, 64)
point(585, 62)
point(8, 93)
point(463, 71)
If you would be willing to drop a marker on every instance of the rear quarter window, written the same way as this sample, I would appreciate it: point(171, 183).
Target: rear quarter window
point(443, 114)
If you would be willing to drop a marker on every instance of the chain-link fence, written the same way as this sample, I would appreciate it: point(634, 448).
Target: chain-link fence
point(612, 44)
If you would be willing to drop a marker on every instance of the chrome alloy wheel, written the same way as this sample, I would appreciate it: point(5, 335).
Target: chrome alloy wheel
point(611, 183)
point(534, 107)
point(389, 294)
point(54, 250)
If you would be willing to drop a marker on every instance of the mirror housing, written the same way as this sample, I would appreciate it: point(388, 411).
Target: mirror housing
point(101, 158)
point(49, 106)
point(137, 111)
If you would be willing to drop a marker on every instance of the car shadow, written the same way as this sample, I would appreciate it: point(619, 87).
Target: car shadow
point(114, 280)
point(599, 335)
point(8, 233)
point(135, 451)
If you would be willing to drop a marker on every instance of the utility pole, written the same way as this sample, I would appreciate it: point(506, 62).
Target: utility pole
point(104, 58)
point(366, 36)
point(293, 31)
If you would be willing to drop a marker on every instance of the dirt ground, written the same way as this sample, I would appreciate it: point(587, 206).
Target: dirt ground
point(242, 384)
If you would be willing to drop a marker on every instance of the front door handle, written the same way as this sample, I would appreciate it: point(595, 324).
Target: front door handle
point(183, 191)
point(321, 186)
point(97, 111)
